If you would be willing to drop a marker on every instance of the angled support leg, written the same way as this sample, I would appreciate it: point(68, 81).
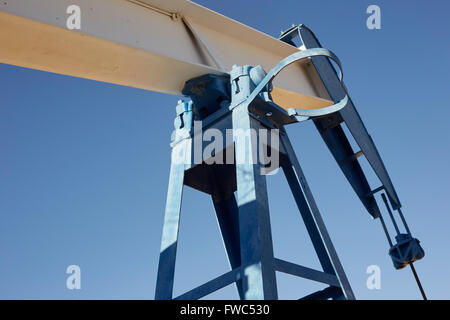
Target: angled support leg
point(258, 266)
point(312, 218)
point(228, 219)
point(167, 257)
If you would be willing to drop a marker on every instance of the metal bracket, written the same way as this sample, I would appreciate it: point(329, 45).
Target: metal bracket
point(298, 56)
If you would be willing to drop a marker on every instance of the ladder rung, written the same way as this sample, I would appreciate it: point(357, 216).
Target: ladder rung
point(371, 193)
point(354, 156)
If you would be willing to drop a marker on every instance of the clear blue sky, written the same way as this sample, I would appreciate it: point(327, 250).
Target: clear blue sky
point(84, 166)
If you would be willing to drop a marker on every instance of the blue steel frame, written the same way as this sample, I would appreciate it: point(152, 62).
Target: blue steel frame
point(407, 249)
point(242, 101)
point(244, 221)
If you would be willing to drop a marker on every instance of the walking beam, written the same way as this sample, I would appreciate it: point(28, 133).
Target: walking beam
point(152, 45)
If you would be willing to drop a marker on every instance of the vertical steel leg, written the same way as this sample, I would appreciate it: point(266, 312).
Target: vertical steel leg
point(167, 257)
point(312, 218)
point(258, 269)
point(228, 219)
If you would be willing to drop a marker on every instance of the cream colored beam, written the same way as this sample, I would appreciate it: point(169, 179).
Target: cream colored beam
point(146, 44)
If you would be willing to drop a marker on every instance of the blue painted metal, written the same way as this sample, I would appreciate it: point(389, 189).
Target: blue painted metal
point(325, 294)
point(349, 114)
point(244, 221)
point(207, 92)
point(228, 218)
point(390, 213)
point(242, 102)
point(407, 249)
point(302, 114)
point(306, 273)
point(311, 217)
point(257, 260)
point(258, 269)
point(212, 285)
point(183, 121)
point(330, 127)
point(166, 267)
